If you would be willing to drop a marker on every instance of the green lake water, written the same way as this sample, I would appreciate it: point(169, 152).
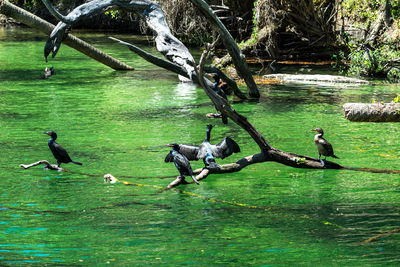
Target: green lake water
point(117, 122)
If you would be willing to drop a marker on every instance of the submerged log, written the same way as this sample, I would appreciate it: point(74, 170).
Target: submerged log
point(374, 112)
point(315, 78)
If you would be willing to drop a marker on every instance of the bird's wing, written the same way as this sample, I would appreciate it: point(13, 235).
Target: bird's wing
point(169, 157)
point(203, 149)
point(182, 164)
point(61, 152)
point(225, 148)
point(189, 151)
point(327, 146)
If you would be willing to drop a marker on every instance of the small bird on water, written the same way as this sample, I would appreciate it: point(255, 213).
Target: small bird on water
point(323, 146)
point(180, 161)
point(58, 151)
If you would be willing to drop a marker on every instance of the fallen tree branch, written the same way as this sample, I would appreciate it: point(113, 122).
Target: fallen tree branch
point(45, 162)
point(374, 112)
point(225, 108)
point(178, 69)
point(268, 153)
point(231, 83)
point(166, 43)
point(168, 65)
point(37, 23)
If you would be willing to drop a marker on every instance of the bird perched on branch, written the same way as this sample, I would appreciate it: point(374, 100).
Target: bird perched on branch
point(323, 146)
point(208, 152)
point(219, 83)
point(180, 161)
point(58, 151)
point(217, 87)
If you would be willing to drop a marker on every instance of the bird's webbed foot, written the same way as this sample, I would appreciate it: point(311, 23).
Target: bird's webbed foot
point(53, 43)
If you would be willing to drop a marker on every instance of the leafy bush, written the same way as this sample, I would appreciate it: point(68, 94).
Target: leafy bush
point(380, 62)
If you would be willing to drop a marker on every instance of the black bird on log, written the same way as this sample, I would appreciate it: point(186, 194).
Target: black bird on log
point(324, 147)
point(58, 151)
point(217, 87)
point(181, 162)
point(209, 152)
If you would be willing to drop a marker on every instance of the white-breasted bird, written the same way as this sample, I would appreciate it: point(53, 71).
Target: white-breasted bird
point(324, 147)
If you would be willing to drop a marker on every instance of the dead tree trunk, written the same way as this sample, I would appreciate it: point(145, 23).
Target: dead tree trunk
point(375, 112)
point(35, 22)
point(166, 43)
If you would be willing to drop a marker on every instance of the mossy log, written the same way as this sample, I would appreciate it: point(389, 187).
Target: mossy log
point(374, 112)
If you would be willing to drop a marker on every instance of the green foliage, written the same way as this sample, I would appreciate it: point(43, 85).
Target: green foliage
point(377, 64)
point(114, 14)
point(394, 75)
point(299, 160)
point(254, 34)
point(396, 10)
point(365, 10)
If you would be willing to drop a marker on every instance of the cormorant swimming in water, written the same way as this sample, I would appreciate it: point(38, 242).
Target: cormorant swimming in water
point(217, 89)
point(58, 151)
point(180, 161)
point(323, 146)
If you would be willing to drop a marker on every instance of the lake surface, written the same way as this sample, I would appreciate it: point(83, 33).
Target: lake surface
point(118, 122)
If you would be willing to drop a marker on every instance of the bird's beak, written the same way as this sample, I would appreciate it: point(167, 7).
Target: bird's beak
point(313, 130)
point(170, 145)
point(48, 133)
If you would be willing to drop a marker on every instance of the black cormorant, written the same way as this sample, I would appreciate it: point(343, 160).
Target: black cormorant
point(217, 89)
point(181, 162)
point(58, 151)
point(209, 152)
point(324, 147)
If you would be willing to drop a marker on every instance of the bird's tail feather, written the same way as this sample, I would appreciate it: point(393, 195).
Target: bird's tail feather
point(335, 157)
point(77, 163)
point(194, 180)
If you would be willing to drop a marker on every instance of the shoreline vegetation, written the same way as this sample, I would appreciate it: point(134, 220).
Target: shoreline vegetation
point(359, 38)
